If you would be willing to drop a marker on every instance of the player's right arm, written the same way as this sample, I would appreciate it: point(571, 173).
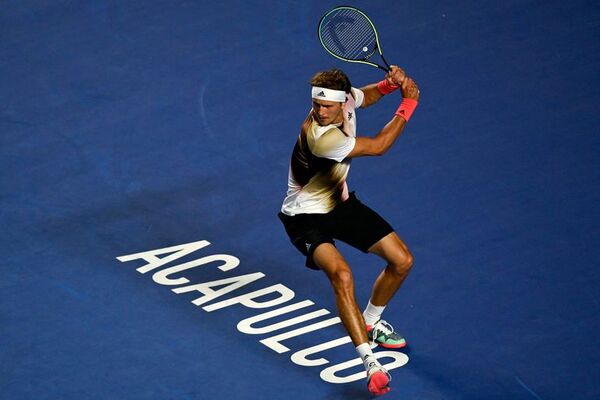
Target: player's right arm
point(383, 141)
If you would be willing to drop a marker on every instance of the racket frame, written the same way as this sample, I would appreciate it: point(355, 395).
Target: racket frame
point(377, 45)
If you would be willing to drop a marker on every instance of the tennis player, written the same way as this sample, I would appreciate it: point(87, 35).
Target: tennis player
point(319, 207)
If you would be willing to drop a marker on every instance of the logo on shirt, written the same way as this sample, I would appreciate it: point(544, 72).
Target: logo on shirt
point(349, 116)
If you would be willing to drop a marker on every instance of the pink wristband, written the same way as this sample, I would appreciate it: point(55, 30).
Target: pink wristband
point(406, 109)
point(386, 87)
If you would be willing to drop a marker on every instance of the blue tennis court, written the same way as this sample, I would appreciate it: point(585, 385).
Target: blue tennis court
point(144, 154)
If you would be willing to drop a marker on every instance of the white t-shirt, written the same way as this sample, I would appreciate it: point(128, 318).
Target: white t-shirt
point(319, 167)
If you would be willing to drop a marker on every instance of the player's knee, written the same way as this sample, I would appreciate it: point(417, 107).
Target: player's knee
point(342, 279)
point(402, 262)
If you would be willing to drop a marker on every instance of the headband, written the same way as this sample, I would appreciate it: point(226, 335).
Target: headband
point(328, 94)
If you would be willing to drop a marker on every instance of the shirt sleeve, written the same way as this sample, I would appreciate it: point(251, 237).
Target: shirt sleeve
point(359, 97)
point(334, 145)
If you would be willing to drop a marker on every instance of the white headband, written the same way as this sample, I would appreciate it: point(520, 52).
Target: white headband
point(328, 94)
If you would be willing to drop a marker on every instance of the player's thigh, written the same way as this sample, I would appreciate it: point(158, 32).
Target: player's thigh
point(392, 249)
point(328, 258)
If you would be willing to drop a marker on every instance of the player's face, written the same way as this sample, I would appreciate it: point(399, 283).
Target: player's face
point(327, 112)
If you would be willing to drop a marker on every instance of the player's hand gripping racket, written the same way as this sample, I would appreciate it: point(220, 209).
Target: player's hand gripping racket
point(348, 34)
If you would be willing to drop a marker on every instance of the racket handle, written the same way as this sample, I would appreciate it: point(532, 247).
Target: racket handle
point(389, 69)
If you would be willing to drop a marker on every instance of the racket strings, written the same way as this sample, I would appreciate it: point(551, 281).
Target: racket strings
point(348, 34)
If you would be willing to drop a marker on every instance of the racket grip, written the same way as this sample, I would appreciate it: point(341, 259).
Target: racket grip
point(385, 87)
point(407, 108)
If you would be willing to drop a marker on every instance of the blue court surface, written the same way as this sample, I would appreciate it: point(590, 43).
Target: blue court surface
point(144, 149)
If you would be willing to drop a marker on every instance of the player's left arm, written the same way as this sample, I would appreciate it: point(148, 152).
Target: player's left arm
point(374, 92)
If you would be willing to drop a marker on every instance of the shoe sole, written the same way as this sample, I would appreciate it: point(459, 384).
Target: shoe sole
point(378, 384)
point(392, 346)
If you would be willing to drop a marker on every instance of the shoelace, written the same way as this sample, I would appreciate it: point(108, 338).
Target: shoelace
point(382, 327)
point(376, 368)
point(370, 364)
point(373, 366)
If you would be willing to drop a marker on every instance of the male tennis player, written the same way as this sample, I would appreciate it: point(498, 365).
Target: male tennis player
point(319, 208)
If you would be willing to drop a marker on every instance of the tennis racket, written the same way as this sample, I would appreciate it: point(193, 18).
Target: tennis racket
point(348, 34)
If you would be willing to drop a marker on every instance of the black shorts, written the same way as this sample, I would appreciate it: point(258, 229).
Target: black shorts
point(351, 222)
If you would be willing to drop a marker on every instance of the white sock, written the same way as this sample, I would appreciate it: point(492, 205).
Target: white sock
point(366, 354)
point(372, 313)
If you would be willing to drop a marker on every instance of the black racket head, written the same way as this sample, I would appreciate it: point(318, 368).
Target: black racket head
point(347, 33)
